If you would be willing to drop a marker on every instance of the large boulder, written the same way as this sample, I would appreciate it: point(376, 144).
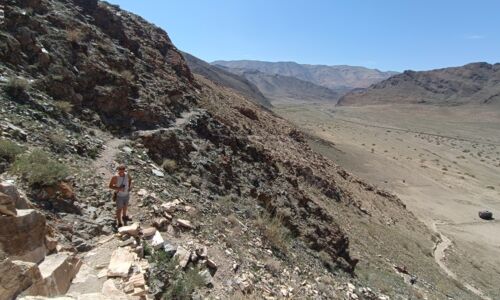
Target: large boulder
point(7, 205)
point(121, 262)
point(23, 237)
point(9, 189)
point(58, 270)
point(16, 277)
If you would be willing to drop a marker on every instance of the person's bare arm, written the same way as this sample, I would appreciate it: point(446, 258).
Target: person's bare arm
point(112, 184)
point(129, 183)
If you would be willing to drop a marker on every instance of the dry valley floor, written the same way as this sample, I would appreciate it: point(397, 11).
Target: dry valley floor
point(443, 162)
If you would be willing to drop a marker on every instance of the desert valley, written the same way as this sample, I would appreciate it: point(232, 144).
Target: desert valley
point(251, 179)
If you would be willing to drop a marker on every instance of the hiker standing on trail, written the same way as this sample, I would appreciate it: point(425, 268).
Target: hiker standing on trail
point(121, 184)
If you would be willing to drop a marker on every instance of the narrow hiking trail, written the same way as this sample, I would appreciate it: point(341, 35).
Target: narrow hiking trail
point(440, 256)
point(92, 275)
point(105, 163)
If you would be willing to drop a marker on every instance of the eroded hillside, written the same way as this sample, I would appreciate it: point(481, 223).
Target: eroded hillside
point(94, 86)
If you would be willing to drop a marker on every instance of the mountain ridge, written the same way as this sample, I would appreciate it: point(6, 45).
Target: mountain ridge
point(226, 78)
point(333, 77)
point(473, 83)
point(287, 89)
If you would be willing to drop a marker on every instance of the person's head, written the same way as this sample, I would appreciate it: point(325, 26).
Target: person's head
point(121, 169)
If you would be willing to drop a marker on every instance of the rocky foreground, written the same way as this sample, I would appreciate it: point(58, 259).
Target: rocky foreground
point(229, 200)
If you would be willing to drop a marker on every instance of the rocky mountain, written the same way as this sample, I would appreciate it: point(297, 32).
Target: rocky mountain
point(227, 79)
point(340, 78)
point(286, 89)
point(475, 83)
point(228, 200)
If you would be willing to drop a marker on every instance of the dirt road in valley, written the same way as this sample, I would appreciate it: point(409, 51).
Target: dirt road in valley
point(440, 257)
point(444, 163)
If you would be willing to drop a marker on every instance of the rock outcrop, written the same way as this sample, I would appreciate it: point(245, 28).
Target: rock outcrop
point(57, 272)
point(16, 277)
point(22, 237)
point(9, 189)
point(7, 205)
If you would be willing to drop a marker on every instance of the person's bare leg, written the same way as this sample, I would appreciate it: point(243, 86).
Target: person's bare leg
point(119, 215)
point(125, 216)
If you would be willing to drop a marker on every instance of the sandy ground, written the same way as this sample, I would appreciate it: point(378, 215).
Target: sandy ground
point(444, 163)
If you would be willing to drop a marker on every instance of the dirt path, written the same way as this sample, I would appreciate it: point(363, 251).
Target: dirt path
point(92, 274)
point(105, 163)
point(440, 255)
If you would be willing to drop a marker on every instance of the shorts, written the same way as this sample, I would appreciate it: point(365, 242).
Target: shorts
point(122, 200)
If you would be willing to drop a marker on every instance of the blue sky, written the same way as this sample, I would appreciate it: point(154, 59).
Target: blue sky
point(384, 34)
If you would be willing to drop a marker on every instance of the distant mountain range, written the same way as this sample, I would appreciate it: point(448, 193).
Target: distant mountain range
point(475, 83)
point(287, 89)
point(340, 78)
point(226, 78)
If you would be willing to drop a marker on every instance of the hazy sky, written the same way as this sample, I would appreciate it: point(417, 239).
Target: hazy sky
point(384, 34)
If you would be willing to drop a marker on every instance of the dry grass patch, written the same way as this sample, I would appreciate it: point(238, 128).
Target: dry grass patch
point(74, 35)
point(16, 86)
point(274, 232)
point(64, 106)
point(169, 165)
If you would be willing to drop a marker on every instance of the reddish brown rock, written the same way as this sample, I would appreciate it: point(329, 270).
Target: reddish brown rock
point(10, 190)
point(7, 205)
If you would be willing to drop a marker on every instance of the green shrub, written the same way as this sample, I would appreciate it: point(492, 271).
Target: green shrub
point(183, 284)
point(38, 168)
point(168, 279)
point(9, 150)
point(16, 86)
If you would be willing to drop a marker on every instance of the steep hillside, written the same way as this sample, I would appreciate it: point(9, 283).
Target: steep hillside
point(340, 78)
point(475, 83)
point(286, 89)
point(227, 79)
point(229, 200)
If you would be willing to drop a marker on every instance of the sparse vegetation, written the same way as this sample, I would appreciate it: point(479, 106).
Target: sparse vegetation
point(74, 35)
point(16, 86)
point(64, 106)
point(275, 233)
point(58, 142)
point(326, 260)
point(127, 75)
point(37, 167)
point(169, 165)
point(9, 150)
point(169, 280)
point(183, 284)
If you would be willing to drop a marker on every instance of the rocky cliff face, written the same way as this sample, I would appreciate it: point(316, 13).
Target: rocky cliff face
point(476, 84)
point(113, 65)
point(96, 86)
